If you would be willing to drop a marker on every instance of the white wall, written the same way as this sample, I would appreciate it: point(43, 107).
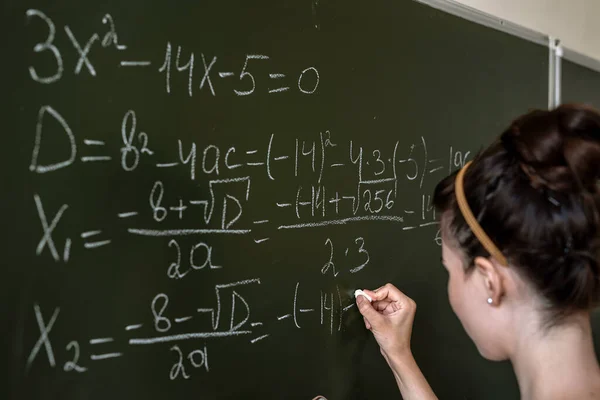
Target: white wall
point(575, 22)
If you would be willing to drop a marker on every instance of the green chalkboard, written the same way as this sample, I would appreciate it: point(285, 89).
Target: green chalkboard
point(190, 227)
point(580, 84)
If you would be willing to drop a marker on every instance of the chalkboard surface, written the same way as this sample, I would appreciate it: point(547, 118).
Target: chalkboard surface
point(192, 190)
point(580, 84)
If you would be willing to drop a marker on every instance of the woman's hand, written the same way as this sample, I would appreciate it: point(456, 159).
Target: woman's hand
point(390, 317)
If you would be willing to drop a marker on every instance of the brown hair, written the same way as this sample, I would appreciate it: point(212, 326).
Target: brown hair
point(534, 191)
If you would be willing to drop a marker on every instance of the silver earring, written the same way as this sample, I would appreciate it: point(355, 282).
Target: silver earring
point(490, 301)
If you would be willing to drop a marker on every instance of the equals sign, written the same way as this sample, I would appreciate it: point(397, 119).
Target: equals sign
point(260, 222)
point(93, 245)
point(89, 142)
point(97, 357)
point(279, 89)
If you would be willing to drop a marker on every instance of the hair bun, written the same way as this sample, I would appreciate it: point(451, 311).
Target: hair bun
point(534, 192)
point(558, 149)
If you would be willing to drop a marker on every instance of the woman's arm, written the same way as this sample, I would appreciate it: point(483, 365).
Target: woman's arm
point(390, 317)
point(410, 379)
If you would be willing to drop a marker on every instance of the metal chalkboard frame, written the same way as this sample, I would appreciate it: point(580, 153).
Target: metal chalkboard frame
point(556, 52)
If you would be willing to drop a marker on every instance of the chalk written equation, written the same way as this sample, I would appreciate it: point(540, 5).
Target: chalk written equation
point(306, 81)
point(220, 199)
point(329, 308)
point(227, 173)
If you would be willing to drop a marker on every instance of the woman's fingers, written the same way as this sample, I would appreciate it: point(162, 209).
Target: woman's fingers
point(381, 305)
point(387, 299)
point(366, 309)
point(386, 307)
point(388, 292)
point(389, 317)
point(372, 294)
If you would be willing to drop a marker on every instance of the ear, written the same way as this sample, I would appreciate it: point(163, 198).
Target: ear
point(491, 277)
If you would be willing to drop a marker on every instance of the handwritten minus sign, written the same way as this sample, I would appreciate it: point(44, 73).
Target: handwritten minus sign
point(89, 142)
point(135, 63)
point(225, 74)
point(127, 214)
point(97, 158)
point(132, 327)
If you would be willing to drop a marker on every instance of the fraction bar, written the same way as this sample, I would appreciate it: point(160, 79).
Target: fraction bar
point(187, 336)
point(186, 232)
point(343, 221)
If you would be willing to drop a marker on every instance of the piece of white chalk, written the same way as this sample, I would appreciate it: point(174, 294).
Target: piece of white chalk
point(359, 292)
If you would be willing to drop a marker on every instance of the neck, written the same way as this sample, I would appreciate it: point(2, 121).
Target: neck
point(558, 362)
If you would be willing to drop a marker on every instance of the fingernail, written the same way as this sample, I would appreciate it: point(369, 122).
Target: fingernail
point(359, 300)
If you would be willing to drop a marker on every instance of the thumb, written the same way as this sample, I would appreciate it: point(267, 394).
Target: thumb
point(367, 310)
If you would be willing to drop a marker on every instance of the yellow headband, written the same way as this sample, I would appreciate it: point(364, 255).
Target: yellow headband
point(477, 230)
